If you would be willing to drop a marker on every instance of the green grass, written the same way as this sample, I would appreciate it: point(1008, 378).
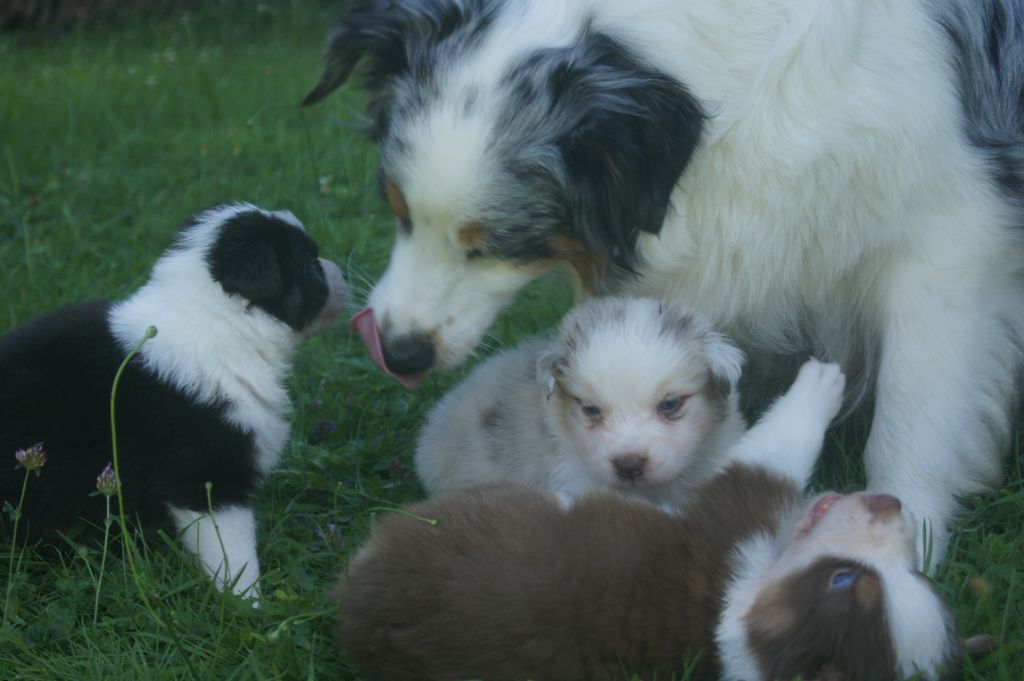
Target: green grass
point(109, 136)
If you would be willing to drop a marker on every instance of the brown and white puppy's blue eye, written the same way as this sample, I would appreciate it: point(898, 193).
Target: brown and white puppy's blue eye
point(842, 579)
point(671, 405)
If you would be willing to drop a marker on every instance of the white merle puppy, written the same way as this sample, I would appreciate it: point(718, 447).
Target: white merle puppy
point(750, 583)
point(205, 400)
point(839, 177)
point(630, 394)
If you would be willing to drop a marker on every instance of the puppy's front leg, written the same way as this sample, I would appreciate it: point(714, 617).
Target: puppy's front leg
point(788, 437)
point(225, 544)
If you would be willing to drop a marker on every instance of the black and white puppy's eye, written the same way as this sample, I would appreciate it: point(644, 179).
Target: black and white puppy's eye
point(842, 579)
point(671, 405)
point(474, 254)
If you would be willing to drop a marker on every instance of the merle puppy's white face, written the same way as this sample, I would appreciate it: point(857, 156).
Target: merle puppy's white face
point(638, 386)
point(511, 140)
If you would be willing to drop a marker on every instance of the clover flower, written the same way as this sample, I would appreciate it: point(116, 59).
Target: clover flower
point(32, 458)
point(106, 483)
point(333, 537)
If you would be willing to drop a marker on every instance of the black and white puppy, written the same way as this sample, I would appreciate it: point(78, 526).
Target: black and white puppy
point(750, 583)
point(834, 175)
point(203, 401)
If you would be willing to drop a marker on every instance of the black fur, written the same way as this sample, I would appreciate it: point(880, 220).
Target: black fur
point(986, 36)
point(275, 268)
point(396, 39)
point(591, 142)
point(58, 370)
point(636, 131)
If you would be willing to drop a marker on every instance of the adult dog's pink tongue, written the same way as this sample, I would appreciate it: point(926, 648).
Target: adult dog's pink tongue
point(365, 325)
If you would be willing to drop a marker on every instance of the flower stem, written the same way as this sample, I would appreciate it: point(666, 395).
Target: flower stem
point(107, 521)
point(14, 546)
point(128, 545)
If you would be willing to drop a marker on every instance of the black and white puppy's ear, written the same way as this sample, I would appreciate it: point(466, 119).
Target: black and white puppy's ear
point(246, 267)
point(637, 128)
point(725, 362)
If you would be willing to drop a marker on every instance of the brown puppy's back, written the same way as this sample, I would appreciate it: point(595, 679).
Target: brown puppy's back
point(508, 585)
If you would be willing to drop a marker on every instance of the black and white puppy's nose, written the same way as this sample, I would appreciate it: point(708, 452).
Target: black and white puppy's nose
point(410, 354)
point(629, 466)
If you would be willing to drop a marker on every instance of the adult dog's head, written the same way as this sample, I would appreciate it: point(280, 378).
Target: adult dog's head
point(514, 137)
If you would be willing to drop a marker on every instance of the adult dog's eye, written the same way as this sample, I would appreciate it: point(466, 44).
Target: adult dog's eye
point(670, 405)
point(474, 253)
point(842, 579)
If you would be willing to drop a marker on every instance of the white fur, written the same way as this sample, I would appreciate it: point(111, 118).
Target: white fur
point(211, 345)
point(217, 348)
point(626, 365)
point(787, 441)
point(834, 192)
point(225, 543)
point(918, 621)
point(788, 438)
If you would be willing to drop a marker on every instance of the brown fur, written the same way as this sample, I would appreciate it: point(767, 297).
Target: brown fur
point(396, 200)
point(850, 639)
point(507, 585)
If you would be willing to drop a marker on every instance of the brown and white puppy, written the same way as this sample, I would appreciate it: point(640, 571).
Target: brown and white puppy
point(630, 394)
point(751, 582)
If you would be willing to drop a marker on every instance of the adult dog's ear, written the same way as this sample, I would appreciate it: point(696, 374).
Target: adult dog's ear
point(373, 28)
point(635, 131)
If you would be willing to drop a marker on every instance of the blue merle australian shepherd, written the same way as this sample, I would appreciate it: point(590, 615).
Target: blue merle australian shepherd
point(842, 176)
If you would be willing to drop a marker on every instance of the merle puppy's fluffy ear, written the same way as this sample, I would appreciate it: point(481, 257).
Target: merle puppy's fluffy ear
point(636, 131)
point(726, 362)
point(549, 368)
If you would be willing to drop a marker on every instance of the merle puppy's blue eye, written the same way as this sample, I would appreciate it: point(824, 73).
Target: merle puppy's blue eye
point(842, 579)
point(591, 410)
point(671, 405)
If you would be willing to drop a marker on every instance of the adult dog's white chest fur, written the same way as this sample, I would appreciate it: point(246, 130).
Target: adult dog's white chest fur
point(835, 176)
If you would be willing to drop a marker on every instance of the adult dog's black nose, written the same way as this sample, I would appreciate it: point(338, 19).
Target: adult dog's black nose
point(410, 354)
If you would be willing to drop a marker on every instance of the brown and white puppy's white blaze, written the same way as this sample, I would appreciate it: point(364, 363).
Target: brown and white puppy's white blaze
point(839, 591)
point(630, 394)
point(508, 584)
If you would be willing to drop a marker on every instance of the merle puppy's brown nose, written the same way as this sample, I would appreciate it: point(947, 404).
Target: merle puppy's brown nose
point(409, 354)
point(882, 505)
point(629, 466)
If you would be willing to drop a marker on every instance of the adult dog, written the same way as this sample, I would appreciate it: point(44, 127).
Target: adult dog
point(842, 176)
